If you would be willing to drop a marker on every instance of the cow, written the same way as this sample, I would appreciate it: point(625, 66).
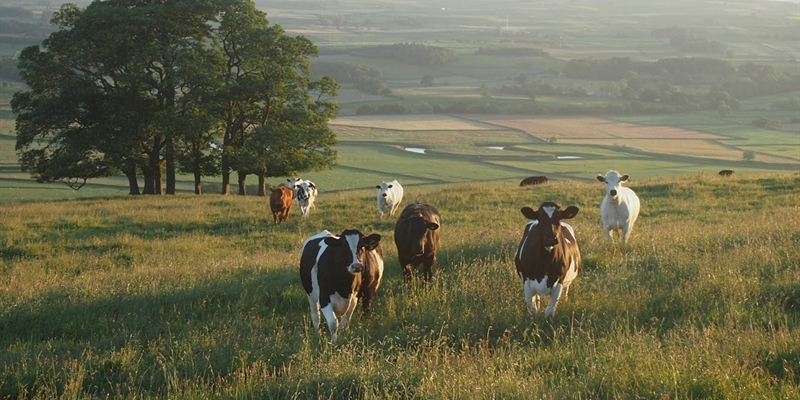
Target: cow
point(726, 172)
point(333, 271)
point(620, 206)
point(390, 195)
point(280, 202)
point(416, 235)
point(294, 183)
point(306, 195)
point(548, 258)
point(534, 180)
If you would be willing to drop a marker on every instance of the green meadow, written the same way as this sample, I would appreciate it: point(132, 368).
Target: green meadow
point(199, 297)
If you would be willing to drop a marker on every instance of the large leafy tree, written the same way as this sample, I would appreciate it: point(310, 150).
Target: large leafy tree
point(141, 86)
point(266, 105)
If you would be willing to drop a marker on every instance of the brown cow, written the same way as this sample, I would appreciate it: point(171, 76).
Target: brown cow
point(727, 172)
point(534, 180)
point(548, 258)
point(416, 235)
point(280, 202)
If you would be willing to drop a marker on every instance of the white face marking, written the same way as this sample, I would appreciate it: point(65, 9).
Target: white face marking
point(352, 244)
point(549, 210)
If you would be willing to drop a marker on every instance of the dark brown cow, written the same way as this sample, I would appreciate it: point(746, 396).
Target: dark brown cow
point(727, 172)
point(548, 258)
point(416, 235)
point(280, 202)
point(534, 180)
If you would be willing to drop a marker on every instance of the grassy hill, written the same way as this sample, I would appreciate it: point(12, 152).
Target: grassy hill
point(197, 297)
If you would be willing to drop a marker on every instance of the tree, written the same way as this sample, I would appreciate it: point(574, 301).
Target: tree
point(427, 80)
point(110, 73)
point(137, 86)
point(267, 91)
point(749, 155)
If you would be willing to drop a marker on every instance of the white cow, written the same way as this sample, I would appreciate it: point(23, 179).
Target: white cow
point(620, 206)
point(390, 195)
point(294, 184)
point(305, 195)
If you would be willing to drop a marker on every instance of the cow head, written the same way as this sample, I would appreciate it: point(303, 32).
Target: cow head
point(418, 228)
point(382, 188)
point(613, 181)
point(356, 245)
point(304, 190)
point(548, 227)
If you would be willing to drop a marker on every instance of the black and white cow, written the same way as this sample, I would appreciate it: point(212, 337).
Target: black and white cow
point(334, 270)
point(305, 195)
point(548, 258)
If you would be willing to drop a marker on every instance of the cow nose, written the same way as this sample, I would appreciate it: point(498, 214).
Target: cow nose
point(384, 195)
point(356, 268)
point(551, 242)
point(613, 192)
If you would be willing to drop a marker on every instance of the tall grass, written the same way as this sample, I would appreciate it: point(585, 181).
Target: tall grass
point(199, 296)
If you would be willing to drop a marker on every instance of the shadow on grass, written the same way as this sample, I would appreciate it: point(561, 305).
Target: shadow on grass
point(110, 321)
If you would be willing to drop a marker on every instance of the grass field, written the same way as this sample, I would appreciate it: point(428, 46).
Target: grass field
point(198, 297)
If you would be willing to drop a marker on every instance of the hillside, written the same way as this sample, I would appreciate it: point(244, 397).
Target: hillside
point(199, 296)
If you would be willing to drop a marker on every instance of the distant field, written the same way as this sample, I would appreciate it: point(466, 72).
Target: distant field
point(481, 148)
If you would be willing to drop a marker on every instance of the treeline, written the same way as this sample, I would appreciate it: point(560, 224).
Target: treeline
point(346, 72)
point(412, 53)
point(520, 108)
point(511, 51)
point(616, 68)
point(687, 42)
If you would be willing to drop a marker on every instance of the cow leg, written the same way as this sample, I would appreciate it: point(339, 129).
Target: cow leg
point(314, 305)
point(555, 294)
point(405, 264)
point(351, 307)
point(366, 302)
point(427, 268)
point(330, 318)
point(531, 298)
point(608, 230)
point(626, 231)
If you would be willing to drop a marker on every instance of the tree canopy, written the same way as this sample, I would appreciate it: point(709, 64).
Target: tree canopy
point(146, 88)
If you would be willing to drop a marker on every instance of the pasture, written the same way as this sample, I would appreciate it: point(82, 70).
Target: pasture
point(199, 296)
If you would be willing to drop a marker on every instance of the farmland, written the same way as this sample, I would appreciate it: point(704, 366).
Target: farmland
point(448, 118)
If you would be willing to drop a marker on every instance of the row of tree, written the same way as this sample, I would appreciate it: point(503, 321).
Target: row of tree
point(151, 88)
point(412, 53)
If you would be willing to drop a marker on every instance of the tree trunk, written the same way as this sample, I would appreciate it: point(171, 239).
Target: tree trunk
point(170, 156)
point(226, 174)
point(262, 184)
point(133, 183)
point(198, 185)
point(149, 180)
point(242, 183)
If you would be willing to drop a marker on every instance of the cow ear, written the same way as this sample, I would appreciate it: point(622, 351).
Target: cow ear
point(332, 241)
point(528, 212)
point(377, 186)
point(570, 212)
point(601, 178)
point(389, 186)
point(433, 226)
point(312, 185)
point(372, 241)
point(623, 178)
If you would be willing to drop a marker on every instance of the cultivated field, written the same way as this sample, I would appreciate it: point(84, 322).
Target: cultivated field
point(199, 297)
